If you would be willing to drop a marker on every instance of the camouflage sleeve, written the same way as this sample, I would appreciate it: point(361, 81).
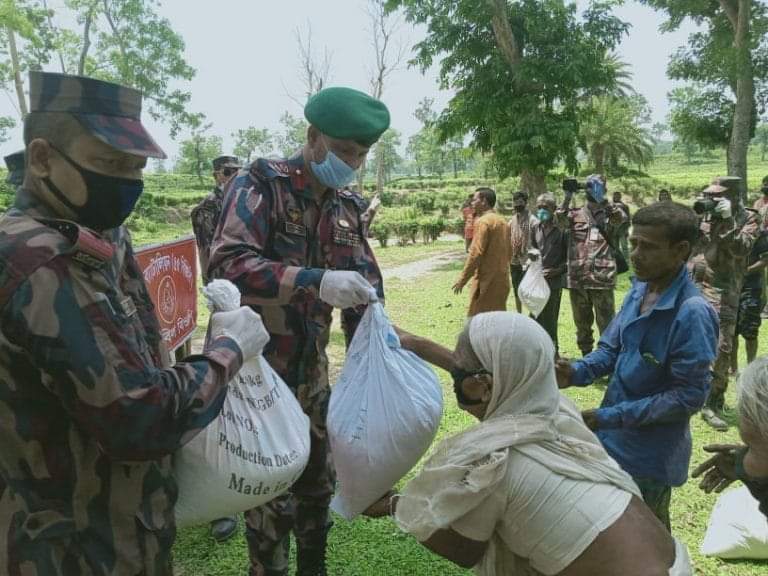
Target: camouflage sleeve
point(240, 250)
point(476, 252)
point(739, 241)
point(90, 351)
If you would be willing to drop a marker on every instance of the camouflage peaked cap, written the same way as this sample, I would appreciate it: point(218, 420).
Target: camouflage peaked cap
point(226, 161)
point(15, 164)
point(110, 112)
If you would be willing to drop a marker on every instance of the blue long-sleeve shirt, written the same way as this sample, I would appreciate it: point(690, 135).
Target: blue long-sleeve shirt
point(660, 363)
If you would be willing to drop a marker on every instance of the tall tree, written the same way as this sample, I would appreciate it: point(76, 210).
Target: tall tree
point(386, 153)
point(388, 57)
point(730, 55)
point(615, 130)
point(197, 152)
point(293, 135)
point(519, 70)
point(314, 67)
point(252, 141)
point(123, 41)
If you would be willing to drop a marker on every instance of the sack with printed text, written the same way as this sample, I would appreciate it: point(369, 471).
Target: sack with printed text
point(534, 290)
point(253, 452)
point(384, 413)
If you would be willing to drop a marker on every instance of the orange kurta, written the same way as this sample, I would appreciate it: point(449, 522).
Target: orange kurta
point(488, 265)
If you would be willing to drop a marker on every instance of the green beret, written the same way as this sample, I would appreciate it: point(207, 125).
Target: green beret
point(347, 114)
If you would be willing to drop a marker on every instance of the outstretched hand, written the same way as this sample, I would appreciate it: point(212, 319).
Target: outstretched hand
point(719, 471)
point(458, 287)
point(564, 372)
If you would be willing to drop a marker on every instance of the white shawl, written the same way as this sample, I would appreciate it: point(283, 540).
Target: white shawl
point(526, 412)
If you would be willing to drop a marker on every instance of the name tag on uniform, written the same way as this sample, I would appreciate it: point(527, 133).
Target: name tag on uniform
point(594, 234)
point(295, 229)
point(345, 237)
point(128, 306)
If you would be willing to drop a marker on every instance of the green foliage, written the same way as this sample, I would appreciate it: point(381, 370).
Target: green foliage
point(196, 154)
point(423, 201)
point(614, 131)
point(701, 116)
point(293, 135)
point(381, 231)
point(525, 111)
point(386, 152)
point(761, 139)
point(252, 141)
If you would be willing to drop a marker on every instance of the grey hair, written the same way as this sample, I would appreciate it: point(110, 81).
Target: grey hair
point(753, 395)
point(464, 354)
point(546, 198)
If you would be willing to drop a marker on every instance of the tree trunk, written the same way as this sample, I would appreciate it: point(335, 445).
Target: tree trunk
point(17, 81)
point(86, 43)
point(379, 173)
point(598, 158)
point(361, 176)
point(745, 90)
point(534, 183)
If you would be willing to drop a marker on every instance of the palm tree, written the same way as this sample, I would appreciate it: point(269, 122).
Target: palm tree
point(613, 131)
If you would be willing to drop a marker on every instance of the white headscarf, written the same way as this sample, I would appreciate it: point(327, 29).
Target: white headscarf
point(526, 412)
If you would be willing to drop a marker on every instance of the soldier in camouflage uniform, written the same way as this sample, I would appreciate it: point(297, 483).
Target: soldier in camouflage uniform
point(15, 164)
point(205, 216)
point(591, 264)
point(718, 268)
point(90, 411)
point(294, 242)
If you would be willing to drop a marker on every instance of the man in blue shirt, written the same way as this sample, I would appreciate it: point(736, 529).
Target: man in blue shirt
point(659, 349)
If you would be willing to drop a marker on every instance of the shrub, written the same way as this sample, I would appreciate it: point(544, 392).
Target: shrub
point(381, 231)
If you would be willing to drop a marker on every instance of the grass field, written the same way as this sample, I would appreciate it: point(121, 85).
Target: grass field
point(364, 547)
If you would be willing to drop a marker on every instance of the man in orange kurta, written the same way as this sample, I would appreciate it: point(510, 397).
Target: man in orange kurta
point(489, 255)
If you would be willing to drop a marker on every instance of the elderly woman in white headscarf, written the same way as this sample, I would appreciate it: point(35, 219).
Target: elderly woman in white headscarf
point(747, 462)
point(529, 490)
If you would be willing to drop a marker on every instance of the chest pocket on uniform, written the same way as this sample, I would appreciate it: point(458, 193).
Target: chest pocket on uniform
point(291, 241)
point(347, 246)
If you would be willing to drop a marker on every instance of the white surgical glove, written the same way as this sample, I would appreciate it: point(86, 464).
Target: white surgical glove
point(244, 326)
point(723, 208)
point(344, 289)
point(375, 203)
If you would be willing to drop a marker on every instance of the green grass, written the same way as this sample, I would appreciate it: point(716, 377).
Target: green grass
point(364, 547)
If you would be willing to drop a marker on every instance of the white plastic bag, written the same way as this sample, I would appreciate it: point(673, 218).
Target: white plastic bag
point(737, 528)
point(254, 451)
point(384, 413)
point(534, 290)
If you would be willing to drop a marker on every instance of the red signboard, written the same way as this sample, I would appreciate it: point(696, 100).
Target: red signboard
point(170, 271)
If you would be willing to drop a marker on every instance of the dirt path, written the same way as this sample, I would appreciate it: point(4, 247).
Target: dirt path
point(414, 270)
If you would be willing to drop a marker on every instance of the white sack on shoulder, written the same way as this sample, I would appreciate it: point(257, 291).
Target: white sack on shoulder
point(253, 452)
point(384, 413)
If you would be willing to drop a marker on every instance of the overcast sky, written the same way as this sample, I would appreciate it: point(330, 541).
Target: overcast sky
point(246, 57)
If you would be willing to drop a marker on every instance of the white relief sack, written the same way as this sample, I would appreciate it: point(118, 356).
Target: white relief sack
point(534, 290)
point(253, 452)
point(384, 413)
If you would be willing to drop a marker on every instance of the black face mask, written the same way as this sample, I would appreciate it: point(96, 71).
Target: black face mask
point(110, 200)
point(459, 376)
point(519, 207)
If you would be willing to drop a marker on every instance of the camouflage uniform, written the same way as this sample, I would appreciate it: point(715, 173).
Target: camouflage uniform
point(591, 269)
point(718, 270)
point(205, 216)
point(89, 411)
point(275, 242)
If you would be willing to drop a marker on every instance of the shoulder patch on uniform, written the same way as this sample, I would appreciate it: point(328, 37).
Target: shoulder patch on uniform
point(87, 248)
point(360, 202)
point(264, 168)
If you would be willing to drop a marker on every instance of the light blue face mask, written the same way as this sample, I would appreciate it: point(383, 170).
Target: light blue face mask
point(543, 215)
point(333, 171)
